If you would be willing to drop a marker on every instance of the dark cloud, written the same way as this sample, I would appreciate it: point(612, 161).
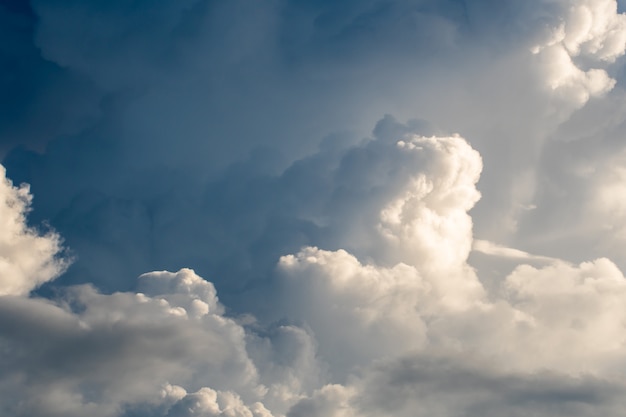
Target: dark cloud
point(416, 386)
point(154, 102)
point(232, 228)
point(41, 99)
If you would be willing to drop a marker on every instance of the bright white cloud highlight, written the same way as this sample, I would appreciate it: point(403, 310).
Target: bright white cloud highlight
point(589, 30)
point(28, 258)
point(593, 28)
point(210, 403)
point(561, 319)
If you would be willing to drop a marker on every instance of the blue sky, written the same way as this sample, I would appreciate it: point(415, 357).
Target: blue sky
point(312, 208)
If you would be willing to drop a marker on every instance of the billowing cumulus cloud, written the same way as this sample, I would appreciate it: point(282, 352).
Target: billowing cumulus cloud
point(560, 320)
point(210, 403)
point(85, 352)
point(587, 31)
point(119, 350)
point(166, 352)
point(423, 231)
point(181, 92)
point(28, 257)
point(366, 265)
point(423, 328)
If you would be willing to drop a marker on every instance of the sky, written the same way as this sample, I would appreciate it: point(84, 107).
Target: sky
point(312, 208)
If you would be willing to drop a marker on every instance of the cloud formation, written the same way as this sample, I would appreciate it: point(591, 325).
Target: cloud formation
point(424, 328)
point(405, 271)
point(28, 257)
point(555, 326)
point(166, 352)
point(591, 31)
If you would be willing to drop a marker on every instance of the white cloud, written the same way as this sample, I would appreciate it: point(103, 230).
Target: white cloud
point(557, 327)
point(594, 28)
point(606, 204)
point(357, 312)
point(571, 85)
point(110, 355)
point(391, 304)
point(360, 312)
point(420, 217)
point(28, 257)
point(574, 316)
point(331, 400)
point(591, 31)
point(210, 403)
point(414, 320)
point(427, 221)
point(581, 212)
point(548, 343)
point(493, 249)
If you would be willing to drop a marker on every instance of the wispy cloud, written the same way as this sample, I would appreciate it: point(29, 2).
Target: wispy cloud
point(490, 248)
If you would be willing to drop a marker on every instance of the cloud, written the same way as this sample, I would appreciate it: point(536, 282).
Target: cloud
point(554, 326)
point(47, 100)
point(577, 214)
point(421, 327)
point(210, 403)
point(430, 386)
point(574, 314)
point(125, 353)
point(234, 139)
point(588, 30)
point(199, 108)
point(545, 345)
point(595, 29)
point(422, 230)
point(357, 312)
point(490, 248)
point(606, 202)
point(28, 257)
point(437, 303)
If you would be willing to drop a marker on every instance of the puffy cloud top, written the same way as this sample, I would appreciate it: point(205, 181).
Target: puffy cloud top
point(28, 258)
